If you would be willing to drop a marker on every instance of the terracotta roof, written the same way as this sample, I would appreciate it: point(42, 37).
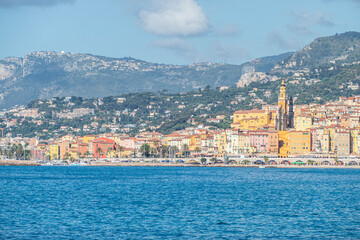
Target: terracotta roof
point(250, 111)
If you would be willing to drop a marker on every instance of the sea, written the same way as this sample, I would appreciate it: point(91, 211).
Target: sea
point(178, 203)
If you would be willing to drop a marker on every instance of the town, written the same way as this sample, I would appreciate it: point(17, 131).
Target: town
point(283, 131)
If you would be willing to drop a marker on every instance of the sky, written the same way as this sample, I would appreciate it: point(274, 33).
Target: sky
point(172, 31)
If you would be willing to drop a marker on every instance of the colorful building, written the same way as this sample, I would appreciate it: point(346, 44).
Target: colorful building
point(299, 142)
point(54, 151)
point(103, 146)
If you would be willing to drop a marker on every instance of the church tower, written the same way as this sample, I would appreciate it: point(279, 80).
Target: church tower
point(282, 97)
point(284, 118)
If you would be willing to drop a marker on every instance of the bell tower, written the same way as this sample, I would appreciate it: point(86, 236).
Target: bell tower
point(282, 97)
point(281, 120)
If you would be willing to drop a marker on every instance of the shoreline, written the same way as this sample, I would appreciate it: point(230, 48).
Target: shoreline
point(18, 163)
point(107, 164)
point(145, 164)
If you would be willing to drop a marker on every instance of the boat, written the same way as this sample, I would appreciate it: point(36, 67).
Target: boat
point(261, 166)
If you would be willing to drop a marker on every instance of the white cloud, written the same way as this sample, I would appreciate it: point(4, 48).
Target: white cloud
point(174, 18)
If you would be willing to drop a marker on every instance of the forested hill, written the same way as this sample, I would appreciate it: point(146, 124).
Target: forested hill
point(43, 75)
point(166, 112)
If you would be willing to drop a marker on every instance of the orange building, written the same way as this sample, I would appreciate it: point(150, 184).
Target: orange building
point(273, 138)
point(82, 149)
point(64, 148)
point(102, 146)
point(299, 142)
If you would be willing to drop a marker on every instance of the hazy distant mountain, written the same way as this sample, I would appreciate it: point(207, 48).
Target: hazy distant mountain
point(42, 75)
point(337, 49)
point(47, 74)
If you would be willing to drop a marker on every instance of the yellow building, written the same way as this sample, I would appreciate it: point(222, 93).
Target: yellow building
point(54, 151)
point(73, 153)
point(330, 131)
point(244, 144)
point(220, 142)
point(112, 154)
point(303, 122)
point(253, 119)
point(284, 148)
point(299, 142)
point(355, 140)
point(88, 138)
point(195, 143)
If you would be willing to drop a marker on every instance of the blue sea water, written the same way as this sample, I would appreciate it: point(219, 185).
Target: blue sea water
point(178, 203)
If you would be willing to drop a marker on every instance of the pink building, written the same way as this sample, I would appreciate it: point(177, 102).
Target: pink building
point(128, 143)
point(259, 140)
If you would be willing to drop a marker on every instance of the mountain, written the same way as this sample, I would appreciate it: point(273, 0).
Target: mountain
point(337, 49)
point(47, 74)
point(42, 75)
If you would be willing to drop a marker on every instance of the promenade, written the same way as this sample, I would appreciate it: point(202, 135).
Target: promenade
point(148, 162)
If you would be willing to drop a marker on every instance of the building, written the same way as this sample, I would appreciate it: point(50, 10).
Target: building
point(342, 143)
point(103, 146)
point(299, 142)
point(64, 149)
point(253, 119)
point(54, 151)
point(259, 140)
point(285, 113)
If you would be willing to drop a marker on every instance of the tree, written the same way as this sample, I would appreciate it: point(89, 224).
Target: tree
point(99, 151)
point(185, 152)
point(145, 150)
point(165, 150)
point(197, 149)
point(67, 156)
point(310, 162)
point(108, 150)
point(246, 162)
point(266, 159)
point(120, 148)
point(213, 160)
point(203, 161)
point(153, 151)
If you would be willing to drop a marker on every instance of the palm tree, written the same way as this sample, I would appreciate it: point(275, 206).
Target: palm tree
point(153, 151)
point(197, 149)
point(99, 151)
point(266, 159)
point(165, 150)
point(185, 147)
point(67, 155)
point(121, 148)
point(145, 150)
point(246, 162)
point(310, 162)
point(213, 160)
point(107, 151)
